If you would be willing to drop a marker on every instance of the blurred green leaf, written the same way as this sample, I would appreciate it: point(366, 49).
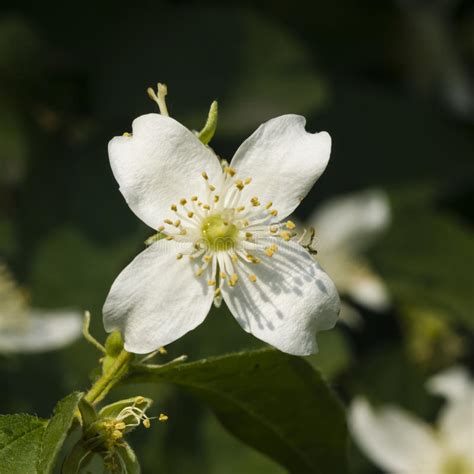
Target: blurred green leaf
point(20, 443)
point(334, 354)
point(14, 149)
point(426, 259)
point(56, 431)
point(272, 401)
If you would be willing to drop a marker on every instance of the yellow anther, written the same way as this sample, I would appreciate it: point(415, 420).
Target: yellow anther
point(194, 198)
point(146, 423)
point(239, 184)
point(161, 228)
point(212, 187)
point(252, 259)
point(285, 235)
point(183, 232)
point(253, 278)
point(245, 223)
point(168, 221)
point(179, 256)
point(163, 417)
point(274, 212)
point(230, 171)
point(269, 205)
point(169, 237)
point(183, 202)
point(141, 399)
point(247, 181)
point(290, 225)
point(120, 425)
point(255, 202)
point(207, 258)
point(162, 350)
point(234, 258)
point(206, 206)
point(126, 134)
point(223, 275)
point(248, 235)
point(271, 250)
point(204, 175)
point(216, 198)
point(174, 208)
point(190, 214)
point(199, 271)
point(233, 279)
point(240, 209)
point(177, 223)
point(211, 282)
point(117, 434)
point(217, 292)
point(273, 229)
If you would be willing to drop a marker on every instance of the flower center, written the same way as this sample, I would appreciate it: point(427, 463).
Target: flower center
point(219, 232)
point(455, 465)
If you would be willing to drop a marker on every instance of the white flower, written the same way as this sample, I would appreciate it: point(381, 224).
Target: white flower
point(400, 443)
point(223, 239)
point(26, 330)
point(345, 229)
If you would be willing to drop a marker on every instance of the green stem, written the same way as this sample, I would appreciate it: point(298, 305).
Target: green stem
point(104, 384)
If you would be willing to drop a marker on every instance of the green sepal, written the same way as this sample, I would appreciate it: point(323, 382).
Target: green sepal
point(88, 413)
point(77, 458)
point(128, 458)
point(207, 133)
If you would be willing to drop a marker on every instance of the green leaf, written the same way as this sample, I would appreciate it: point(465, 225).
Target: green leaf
point(426, 259)
point(272, 401)
point(57, 430)
point(20, 443)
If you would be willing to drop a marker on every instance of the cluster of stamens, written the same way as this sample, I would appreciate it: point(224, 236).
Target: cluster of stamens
point(223, 232)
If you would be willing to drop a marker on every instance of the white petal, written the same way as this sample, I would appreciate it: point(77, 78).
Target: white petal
point(43, 331)
point(354, 277)
point(394, 440)
point(161, 163)
point(456, 420)
point(351, 316)
point(370, 291)
point(453, 384)
point(157, 299)
point(352, 222)
point(456, 425)
point(291, 300)
point(283, 160)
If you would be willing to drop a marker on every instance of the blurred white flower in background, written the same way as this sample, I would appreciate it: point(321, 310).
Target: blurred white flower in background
point(345, 227)
point(27, 330)
point(401, 443)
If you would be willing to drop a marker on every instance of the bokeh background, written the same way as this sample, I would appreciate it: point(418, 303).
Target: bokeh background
point(391, 81)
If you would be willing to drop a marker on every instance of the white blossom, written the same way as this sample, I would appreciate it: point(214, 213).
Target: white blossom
point(27, 330)
point(401, 443)
point(345, 227)
point(222, 235)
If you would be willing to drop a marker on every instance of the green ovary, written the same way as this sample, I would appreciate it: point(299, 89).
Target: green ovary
point(455, 465)
point(219, 233)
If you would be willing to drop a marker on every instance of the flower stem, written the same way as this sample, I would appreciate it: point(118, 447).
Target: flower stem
point(107, 380)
